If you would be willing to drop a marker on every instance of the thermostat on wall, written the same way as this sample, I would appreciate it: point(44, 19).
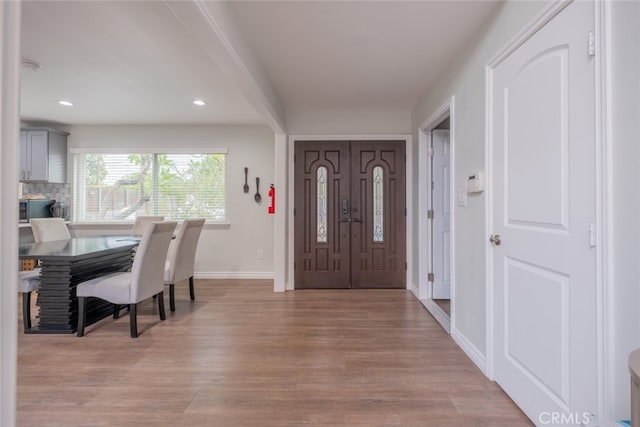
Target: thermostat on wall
point(475, 183)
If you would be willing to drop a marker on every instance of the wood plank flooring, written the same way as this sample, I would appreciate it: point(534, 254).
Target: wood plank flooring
point(445, 305)
point(242, 355)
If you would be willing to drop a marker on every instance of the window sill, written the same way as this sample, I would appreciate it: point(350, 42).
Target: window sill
point(129, 225)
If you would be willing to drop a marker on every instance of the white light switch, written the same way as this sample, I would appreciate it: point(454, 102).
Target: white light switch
point(462, 198)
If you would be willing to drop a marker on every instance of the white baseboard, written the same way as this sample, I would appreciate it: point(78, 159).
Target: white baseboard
point(266, 275)
point(470, 350)
point(438, 314)
point(414, 289)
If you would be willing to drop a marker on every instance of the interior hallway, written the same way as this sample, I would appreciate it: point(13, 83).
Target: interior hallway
point(244, 355)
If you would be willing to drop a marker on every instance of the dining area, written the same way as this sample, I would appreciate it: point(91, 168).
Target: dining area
point(81, 280)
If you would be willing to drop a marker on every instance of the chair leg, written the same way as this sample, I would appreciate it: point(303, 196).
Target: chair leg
point(26, 310)
point(82, 315)
point(192, 292)
point(172, 297)
point(163, 316)
point(116, 311)
point(133, 320)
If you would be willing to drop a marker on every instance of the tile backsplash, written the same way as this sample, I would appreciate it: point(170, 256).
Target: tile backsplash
point(59, 192)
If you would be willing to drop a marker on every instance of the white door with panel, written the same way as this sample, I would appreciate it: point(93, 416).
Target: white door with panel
point(543, 220)
point(441, 205)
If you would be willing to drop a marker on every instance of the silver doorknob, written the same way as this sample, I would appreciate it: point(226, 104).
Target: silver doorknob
point(495, 239)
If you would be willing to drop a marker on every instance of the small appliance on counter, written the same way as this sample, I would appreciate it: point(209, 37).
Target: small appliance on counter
point(35, 208)
point(58, 210)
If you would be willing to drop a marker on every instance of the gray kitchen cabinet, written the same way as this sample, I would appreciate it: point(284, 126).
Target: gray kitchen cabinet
point(43, 155)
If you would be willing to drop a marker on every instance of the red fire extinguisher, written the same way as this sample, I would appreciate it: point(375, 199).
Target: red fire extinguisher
point(272, 196)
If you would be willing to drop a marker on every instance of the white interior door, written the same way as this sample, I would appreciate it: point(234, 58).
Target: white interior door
point(441, 206)
point(544, 268)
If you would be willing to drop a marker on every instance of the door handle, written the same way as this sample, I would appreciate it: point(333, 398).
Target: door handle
point(345, 206)
point(495, 239)
point(345, 220)
point(356, 220)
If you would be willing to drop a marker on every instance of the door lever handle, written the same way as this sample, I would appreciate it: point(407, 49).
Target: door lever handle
point(345, 220)
point(356, 220)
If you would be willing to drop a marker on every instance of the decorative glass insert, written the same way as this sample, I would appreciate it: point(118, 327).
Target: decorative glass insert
point(378, 204)
point(321, 179)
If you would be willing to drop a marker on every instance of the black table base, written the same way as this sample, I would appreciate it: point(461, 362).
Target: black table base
point(57, 293)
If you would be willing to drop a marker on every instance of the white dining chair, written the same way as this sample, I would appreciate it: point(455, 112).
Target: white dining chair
point(142, 222)
point(48, 229)
point(131, 287)
point(181, 259)
point(28, 281)
point(44, 230)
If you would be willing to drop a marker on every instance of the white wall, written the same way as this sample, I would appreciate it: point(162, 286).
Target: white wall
point(9, 161)
point(348, 122)
point(223, 251)
point(625, 283)
point(466, 82)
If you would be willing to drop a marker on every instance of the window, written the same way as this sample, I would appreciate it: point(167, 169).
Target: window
point(118, 187)
point(321, 174)
point(378, 204)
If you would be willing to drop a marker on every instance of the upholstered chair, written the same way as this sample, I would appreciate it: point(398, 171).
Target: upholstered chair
point(44, 230)
point(142, 222)
point(48, 229)
point(181, 259)
point(28, 281)
point(142, 282)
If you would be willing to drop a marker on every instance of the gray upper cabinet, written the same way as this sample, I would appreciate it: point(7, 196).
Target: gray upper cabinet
point(43, 155)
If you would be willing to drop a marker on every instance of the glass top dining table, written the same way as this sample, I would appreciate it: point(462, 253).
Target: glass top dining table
point(65, 264)
point(76, 247)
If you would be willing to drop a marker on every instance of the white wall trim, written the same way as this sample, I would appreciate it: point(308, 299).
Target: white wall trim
point(409, 193)
point(604, 211)
point(125, 227)
point(488, 168)
point(146, 150)
point(604, 193)
point(414, 290)
point(280, 248)
point(447, 109)
point(265, 275)
point(441, 317)
point(470, 350)
point(9, 160)
point(525, 34)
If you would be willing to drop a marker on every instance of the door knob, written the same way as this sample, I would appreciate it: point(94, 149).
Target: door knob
point(495, 239)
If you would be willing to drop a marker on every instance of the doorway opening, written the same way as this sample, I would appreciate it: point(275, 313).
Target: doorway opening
point(350, 214)
point(436, 218)
point(440, 217)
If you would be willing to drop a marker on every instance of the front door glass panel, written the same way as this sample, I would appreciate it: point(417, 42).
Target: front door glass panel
point(322, 204)
point(378, 204)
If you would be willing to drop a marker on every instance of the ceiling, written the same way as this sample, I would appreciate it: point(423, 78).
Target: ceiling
point(123, 62)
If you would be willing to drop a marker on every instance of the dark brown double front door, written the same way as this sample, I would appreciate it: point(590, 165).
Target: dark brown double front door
point(350, 216)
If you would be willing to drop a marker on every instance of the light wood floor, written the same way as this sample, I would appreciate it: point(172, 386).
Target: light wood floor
point(444, 304)
point(242, 355)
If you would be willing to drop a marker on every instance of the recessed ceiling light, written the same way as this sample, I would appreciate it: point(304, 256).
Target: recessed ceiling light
point(199, 102)
point(66, 103)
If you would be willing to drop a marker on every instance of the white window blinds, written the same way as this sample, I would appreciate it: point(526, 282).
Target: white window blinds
point(119, 187)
